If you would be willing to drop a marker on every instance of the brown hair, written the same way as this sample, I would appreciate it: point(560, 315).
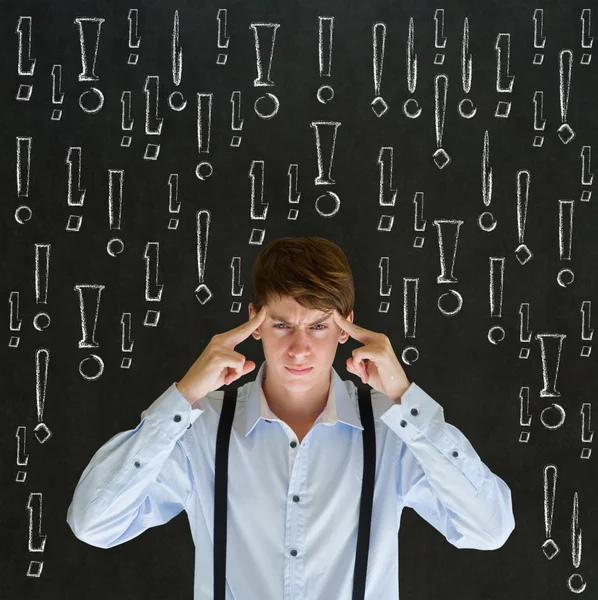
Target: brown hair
point(312, 270)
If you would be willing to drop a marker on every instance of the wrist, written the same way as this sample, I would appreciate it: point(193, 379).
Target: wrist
point(184, 392)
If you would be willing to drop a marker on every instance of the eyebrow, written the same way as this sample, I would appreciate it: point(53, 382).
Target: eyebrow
point(323, 318)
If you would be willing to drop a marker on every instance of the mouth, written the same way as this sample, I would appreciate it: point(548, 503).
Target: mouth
point(299, 371)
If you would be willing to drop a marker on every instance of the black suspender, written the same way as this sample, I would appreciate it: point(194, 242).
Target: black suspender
point(221, 492)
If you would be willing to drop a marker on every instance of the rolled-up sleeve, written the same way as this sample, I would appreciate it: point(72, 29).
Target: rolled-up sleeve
point(443, 479)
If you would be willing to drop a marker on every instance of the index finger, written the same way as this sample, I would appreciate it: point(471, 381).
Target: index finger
point(361, 334)
point(238, 334)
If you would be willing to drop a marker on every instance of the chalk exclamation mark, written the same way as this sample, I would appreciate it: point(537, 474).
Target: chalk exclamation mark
point(378, 104)
point(75, 193)
point(42, 319)
point(23, 213)
point(587, 41)
point(549, 547)
point(587, 177)
point(496, 333)
point(440, 156)
point(57, 93)
point(522, 252)
point(202, 292)
point(486, 221)
point(444, 227)
point(466, 107)
point(565, 276)
point(439, 37)
point(176, 100)
point(565, 133)
point(134, 37)
point(411, 108)
point(25, 64)
point(325, 132)
point(504, 80)
point(539, 37)
point(204, 126)
point(264, 35)
point(325, 31)
point(153, 122)
point(410, 354)
point(539, 120)
point(115, 246)
point(92, 99)
point(587, 331)
point(575, 581)
point(385, 286)
point(223, 39)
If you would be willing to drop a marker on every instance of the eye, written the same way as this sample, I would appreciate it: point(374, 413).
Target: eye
point(284, 325)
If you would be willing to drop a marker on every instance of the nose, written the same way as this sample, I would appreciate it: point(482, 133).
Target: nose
point(299, 344)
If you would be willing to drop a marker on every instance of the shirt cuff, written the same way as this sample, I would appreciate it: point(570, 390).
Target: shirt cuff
point(409, 417)
point(172, 412)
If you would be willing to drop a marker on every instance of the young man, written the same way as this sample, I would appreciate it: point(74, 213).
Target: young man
point(299, 457)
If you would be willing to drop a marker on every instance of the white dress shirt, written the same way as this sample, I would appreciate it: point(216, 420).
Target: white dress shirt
point(284, 496)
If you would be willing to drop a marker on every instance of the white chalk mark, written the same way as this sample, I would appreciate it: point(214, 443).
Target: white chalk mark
point(378, 104)
point(587, 177)
point(202, 292)
point(25, 64)
point(387, 195)
point(75, 193)
point(176, 52)
point(151, 88)
point(325, 166)
point(134, 37)
point(504, 81)
point(539, 120)
point(57, 93)
point(36, 539)
point(258, 208)
point(587, 40)
point(23, 165)
point(539, 37)
point(264, 37)
point(89, 318)
point(439, 37)
point(153, 289)
point(93, 25)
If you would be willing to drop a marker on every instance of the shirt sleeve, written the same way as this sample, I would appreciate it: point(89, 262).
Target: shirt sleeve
point(442, 478)
point(139, 478)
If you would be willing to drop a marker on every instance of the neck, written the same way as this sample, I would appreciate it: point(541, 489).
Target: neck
point(297, 407)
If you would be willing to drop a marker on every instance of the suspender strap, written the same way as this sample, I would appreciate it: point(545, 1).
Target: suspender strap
point(221, 492)
point(367, 492)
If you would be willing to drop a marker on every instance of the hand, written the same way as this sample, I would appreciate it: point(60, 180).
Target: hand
point(219, 364)
point(383, 371)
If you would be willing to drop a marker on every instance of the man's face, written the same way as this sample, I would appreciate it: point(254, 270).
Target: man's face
point(296, 336)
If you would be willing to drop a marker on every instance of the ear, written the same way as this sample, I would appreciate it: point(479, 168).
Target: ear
point(252, 312)
point(343, 336)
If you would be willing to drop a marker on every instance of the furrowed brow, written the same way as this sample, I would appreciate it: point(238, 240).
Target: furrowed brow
point(323, 318)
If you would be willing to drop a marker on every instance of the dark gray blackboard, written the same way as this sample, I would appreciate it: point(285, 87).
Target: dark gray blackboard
point(508, 244)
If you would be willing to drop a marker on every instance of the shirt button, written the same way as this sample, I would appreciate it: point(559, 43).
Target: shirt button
point(137, 463)
point(189, 426)
point(455, 454)
point(403, 423)
point(177, 418)
point(293, 552)
point(293, 444)
point(414, 411)
point(295, 498)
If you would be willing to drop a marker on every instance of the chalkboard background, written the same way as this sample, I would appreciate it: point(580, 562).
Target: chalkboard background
point(129, 233)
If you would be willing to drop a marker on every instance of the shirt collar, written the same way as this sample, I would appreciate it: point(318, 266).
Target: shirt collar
point(341, 405)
